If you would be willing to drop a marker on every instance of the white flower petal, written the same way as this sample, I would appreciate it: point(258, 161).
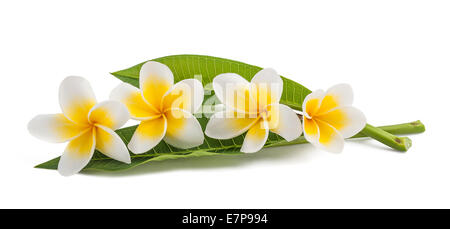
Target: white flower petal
point(343, 94)
point(183, 129)
point(133, 100)
point(337, 96)
point(155, 79)
point(186, 94)
point(267, 87)
point(77, 154)
point(311, 103)
point(284, 121)
point(147, 135)
point(255, 138)
point(347, 120)
point(329, 138)
point(310, 130)
point(228, 124)
point(110, 144)
point(234, 91)
point(76, 98)
point(55, 128)
point(222, 81)
point(111, 114)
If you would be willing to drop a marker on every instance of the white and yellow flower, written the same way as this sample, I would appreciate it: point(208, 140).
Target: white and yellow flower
point(252, 107)
point(329, 118)
point(164, 109)
point(85, 124)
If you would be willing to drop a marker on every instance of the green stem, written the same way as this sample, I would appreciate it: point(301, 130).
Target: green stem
point(400, 129)
point(383, 134)
point(398, 143)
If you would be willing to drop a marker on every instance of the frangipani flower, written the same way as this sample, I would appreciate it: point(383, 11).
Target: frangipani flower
point(85, 124)
point(329, 118)
point(253, 107)
point(164, 109)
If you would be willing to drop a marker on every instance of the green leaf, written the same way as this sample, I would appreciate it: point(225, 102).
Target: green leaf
point(184, 67)
point(187, 66)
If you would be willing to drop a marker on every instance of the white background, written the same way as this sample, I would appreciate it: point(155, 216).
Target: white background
point(395, 54)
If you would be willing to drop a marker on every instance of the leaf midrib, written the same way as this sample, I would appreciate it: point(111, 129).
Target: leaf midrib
point(190, 151)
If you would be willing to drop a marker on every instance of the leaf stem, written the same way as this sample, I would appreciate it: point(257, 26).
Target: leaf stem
point(400, 129)
point(384, 134)
point(398, 143)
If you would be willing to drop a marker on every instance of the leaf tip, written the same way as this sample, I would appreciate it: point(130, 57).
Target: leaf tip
point(115, 73)
point(52, 164)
